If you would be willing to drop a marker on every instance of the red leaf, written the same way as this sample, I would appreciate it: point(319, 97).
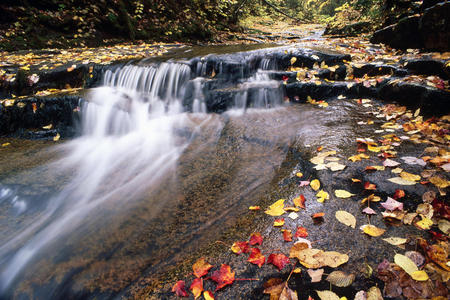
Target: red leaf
point(278, 260)
point(208, 295)
point(197, 287)
point(285, 78)
point(287, 235)
point(300, 201)
point(240, 247)
point(201, 267)
point(256, 257)
point(370, 186)
point(256, 239)
point(399, 194)
point(179, 289)
point(301, 232)
point(223, 277)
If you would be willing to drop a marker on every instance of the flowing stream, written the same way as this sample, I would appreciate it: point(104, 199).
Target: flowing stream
point(126, 164)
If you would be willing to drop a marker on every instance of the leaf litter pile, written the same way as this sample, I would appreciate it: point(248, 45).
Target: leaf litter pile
point(420, 267)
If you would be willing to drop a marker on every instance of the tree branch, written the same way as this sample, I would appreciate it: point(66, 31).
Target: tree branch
point(280, 11)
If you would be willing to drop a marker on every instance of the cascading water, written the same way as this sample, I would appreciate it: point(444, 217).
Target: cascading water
point(128, 144)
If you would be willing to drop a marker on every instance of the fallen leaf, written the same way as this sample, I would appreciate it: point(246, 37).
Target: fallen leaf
point(390, 163)
point(278, 222)
point(293, 215)
point(299, 174)
point(301, 232)
point(197, 287)
point(343, 194)
point(409, 176)
point(300, 201)
point(276, 209)
point(316, 275)
point(425, 223)
point(322, 196)
point(240, 247)
point(392, 204)
point(254, 208)
point(370, 186)
point(429, 196)
point(361, 295)
point(288, 294)
point(396, 241)
point(439, 182)
point(208, 295)
point(287, 235)
point(410, 160)
point(419, 275)
point(256, 239)
point(401, 181)
point(444, 226)
point(346, 218)
point(405, 263)
point(256, 257)
point(315, 184)
point(318, 215)
point(327, 295)
point(180, 289)
point(274, 287)
point(304, 183)
point(279, 260)
point(355, 180)
point(369, 211)
point(334, 166)
point(399, 194)
point(56, 137)
point(372, 230)
point(223, 277)
point(374, 293)
point(340, 279)
point(371, 198)
point(201, 267)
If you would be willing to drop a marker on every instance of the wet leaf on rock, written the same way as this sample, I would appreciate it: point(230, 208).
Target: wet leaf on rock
point(208, 295)
point(343, 194)
point(287, 235)
point(346, 218)
point(301, 232)
point(392, 204)
point(240, 247)
point(340, 279)
point(223, 277)
point(276, 209)
point(315, 184)
point(197, 287)
point(256, 239)
point(401, 181)
point(180, 289)
point(279, 260)
point(327, 295)
point(316, 275)
point(256, 257)
point(300, 201)
point(201, 267)
point(372, 230)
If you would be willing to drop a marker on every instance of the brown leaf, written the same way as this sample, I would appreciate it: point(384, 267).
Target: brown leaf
point(340, 279)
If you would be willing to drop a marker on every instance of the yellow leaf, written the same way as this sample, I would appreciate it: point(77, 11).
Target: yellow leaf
point(396, 241)
point(254, 208)
point(327, 295)
point(373, 148)
point(278, 223)
point(401, 181)
point(425, 223)
point(56, 137)
point(6, 144)
point(419, 275)
point(409, 176)
point(346, 218)
point(343, 194)
point(299, 174)
point(276, 209)
point(322, 196)
point(293, 60)
point(372, 230)
point(439, 182)
point(315, 184)
point(405, 263)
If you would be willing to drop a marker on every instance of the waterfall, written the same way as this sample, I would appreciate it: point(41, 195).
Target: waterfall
point(128, 143)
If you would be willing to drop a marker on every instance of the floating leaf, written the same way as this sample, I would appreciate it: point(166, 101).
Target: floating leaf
point(346, 218)
point(316, 275)
point(201, 267)
point(223, 277)
point(240, 247)
point(343, 194)
point(327, 295)
point(340, 279)
point(401, 181)
point(279, 260)
point(180, 289)
point(372, 230)
point(315, 184)
point(256, 239)
point(197, 287)
point(256, 257)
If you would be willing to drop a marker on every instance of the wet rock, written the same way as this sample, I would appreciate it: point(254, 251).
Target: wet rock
point(378, 70)
point(435, 27)
point(426, 66)
point(403, 35)
point(299, 91)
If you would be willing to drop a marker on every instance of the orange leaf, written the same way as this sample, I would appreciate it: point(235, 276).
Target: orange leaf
point(201, 267)
point(197, 287)
point(223, 277)
point(34, 107)
point(179, 289)
point(399, 194)
point(278, 260)
point(318, 215)
point(320, 148)
point(254, 208)
point(370, 186)
point(287, 235)
point(300, 201)
point(208, 295)
point(256, 239)
point(256, 257)
point(356, 180)
point(240, 247)
point(301, 232)
point(278, 222)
